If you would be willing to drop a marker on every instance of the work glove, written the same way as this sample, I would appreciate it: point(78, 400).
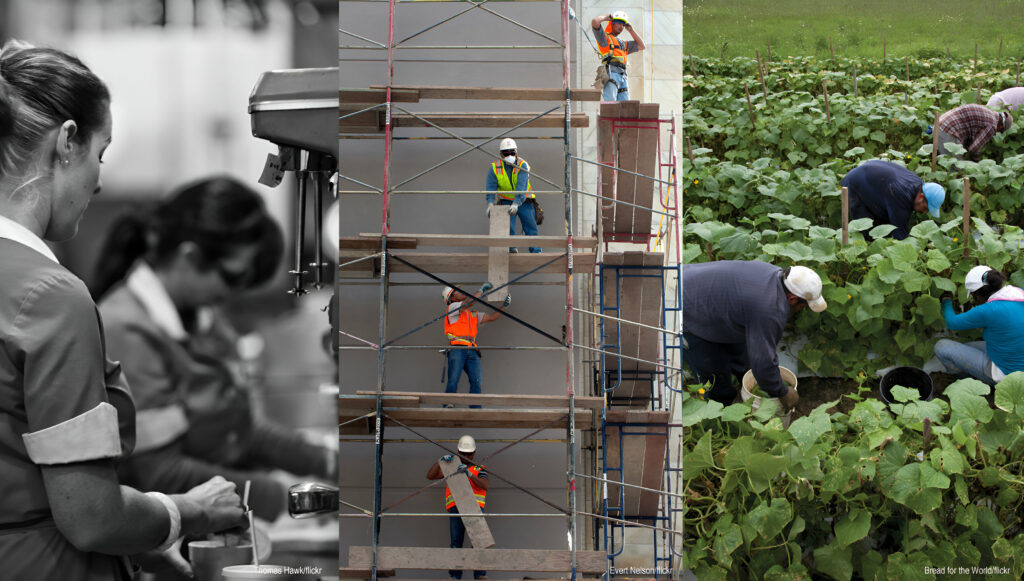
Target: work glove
point(790, 398)
point(513, 209)
point(462, 469)
point(489, 206)
point(508, 301)
point(486, 286)
point(447, 457)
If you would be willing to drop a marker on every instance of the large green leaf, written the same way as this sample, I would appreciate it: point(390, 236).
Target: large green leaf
point(770, 519)
point(807, 429)
point(853, 527)
point(836, 562)
point(727, 539)
point(919, 487)
point(696, 411)
point(966, 401)
point(698, 458)
point(762, 468)
point(1010, 394)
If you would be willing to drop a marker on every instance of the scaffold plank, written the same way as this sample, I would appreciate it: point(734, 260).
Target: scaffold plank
point(468, 418)
point(497, 240)
point(646, 164)
point(345, 573)
point(606, 143)
point(369, 401)
point(438, 558)
point(640, 301)
point(416, 398)
point(497, 256)
point(496, 93)
point(627, 140)
point(369, 96)
point(459, 262)
point(643, 446)
point(364, 242)
point(465, 500)
point(374, 120)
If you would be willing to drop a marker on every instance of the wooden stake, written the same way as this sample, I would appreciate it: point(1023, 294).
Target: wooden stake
point(935, 139)
point(769, 52)
point(693, 69)
point(967, 213)
point(907, 60)
point(975, 57)
point(846, 216)
point(689, 149)
point(722, 53)
point(750, 108)
point(831, 52)
point(824, 89)
point(947, 52)
point(1000, 57)
point(906, 99)
point(760, 73)
point(883, 48)
point(1018, 72)
point(854, 79)
point(978, 98)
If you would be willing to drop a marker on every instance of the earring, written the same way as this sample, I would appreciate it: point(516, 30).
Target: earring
point(65, 162)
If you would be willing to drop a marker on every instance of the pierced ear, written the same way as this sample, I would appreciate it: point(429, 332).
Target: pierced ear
point(65, 141)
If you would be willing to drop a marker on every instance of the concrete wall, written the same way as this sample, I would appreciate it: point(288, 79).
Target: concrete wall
point(541, 467)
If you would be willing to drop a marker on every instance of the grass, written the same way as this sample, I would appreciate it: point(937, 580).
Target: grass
point(921, 28)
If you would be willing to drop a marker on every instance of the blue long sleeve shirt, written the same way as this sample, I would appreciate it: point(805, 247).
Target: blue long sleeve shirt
point(885, 192)
point(734, 301)
point(1002, 328)
point(521, 182)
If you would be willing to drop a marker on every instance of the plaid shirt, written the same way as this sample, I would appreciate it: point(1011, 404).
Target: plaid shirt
point(973, 125)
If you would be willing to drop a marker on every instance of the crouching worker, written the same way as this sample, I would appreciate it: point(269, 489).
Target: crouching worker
point(999, 313)
point(460, 326)
point(734, 314)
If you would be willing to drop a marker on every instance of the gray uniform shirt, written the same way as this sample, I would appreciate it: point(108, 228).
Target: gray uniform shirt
point(733, 301)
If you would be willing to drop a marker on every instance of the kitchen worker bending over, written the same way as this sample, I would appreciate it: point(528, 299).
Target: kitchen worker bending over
point(734, 314)
point(66, 414)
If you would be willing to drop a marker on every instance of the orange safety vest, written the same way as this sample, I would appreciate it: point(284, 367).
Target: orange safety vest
point(507, 185)
point(479, 493)
point(462, 331)
point(615, 52)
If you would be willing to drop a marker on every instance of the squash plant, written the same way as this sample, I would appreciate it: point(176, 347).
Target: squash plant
point(883, 492)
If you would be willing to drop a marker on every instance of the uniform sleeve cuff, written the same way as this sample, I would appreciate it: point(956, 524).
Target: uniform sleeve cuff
point(92, 435)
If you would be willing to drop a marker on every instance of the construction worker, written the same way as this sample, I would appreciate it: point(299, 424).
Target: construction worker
point(477, 480)
point(735, 313)
point(510, 177)
point(889, 193)
point(460, 325)
point(613, 53)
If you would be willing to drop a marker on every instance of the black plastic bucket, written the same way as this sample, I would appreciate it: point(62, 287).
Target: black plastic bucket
point(910, 377)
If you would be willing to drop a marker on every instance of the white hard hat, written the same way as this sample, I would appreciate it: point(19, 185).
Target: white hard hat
point(467, 444)
point(620, 15)
point(447, 292)
point(506, 144)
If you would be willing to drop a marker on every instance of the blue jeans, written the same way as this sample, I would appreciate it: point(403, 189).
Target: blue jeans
point(468, 360)
point(617, 88)
point(716, 363)
point(527, 217)
point(965, 359)
point(458, 532)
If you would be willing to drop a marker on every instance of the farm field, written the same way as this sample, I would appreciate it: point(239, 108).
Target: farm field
point(797, 27)
point(854, 488)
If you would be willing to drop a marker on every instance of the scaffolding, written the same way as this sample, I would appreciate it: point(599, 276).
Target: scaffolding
point(375, 112)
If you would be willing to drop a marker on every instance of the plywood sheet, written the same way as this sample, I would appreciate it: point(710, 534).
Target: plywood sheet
point(438, 558)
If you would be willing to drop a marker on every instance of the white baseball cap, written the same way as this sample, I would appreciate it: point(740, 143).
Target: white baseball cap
point(976, 278)
point(467, 444)
point(806, 284)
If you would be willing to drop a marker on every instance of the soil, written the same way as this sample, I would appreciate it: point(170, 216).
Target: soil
point(815, 391)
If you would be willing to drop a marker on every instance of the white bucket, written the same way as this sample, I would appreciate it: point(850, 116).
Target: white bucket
point(749, 383)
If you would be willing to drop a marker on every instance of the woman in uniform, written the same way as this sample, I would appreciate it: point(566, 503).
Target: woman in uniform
point(162, 277)
point(66, 415)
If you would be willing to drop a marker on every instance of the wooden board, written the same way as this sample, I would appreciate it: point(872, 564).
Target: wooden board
point(372, 242)
point(642, 463)
point(488, 399)
point(374, 120)
point(497, 256)
point(468, 418)
point(640, 301)
point(363, 573)
point(465, 501)
point(442, 559)
point(458, 262)
point(606, 146)
point(370, 96)
point(627, 138)
point(368, 401)
point(646, 164)
point(502, 239)
point(496, 93)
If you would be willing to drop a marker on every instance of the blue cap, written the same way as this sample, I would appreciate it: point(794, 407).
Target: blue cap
point(935, 194)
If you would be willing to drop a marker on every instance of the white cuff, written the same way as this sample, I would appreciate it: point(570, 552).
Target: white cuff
point(89, 436)
point(175, 516)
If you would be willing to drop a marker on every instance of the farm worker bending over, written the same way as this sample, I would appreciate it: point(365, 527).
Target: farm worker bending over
point(614, 53)
point(972, 126)
point(733, 316)
point(999, 312)
point(478, 481)
point(510, 177)
point(887, 193)
point(460, 325)
point(1007, 99)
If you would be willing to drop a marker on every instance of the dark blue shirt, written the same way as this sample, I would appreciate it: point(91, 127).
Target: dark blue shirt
point(734, 301)
point(885, 192)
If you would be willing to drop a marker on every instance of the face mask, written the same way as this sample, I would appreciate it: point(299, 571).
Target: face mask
point(509, 159)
